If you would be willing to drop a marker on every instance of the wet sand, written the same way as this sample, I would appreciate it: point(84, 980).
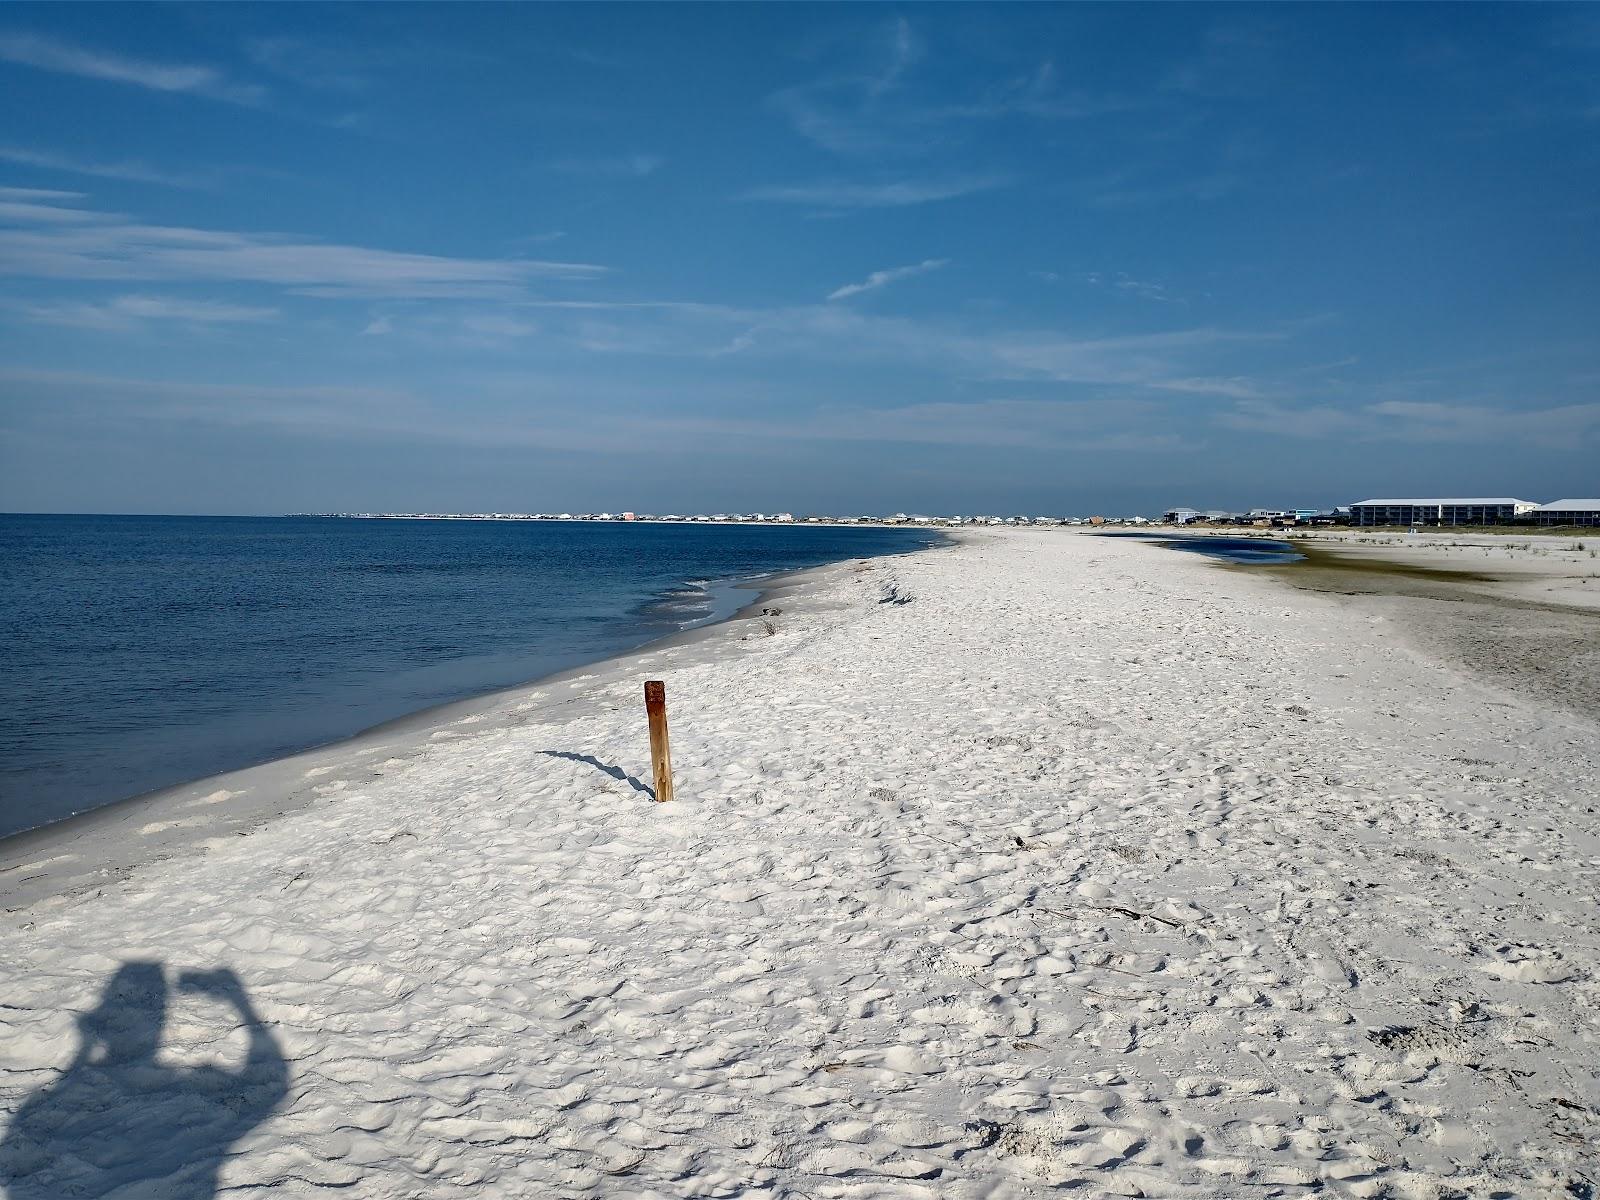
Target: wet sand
point(1474, 621)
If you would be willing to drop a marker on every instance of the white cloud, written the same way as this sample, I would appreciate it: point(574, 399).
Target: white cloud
point(1143, 189)
point(1145, 290)
point(49, 54)
point(128, 312)
point(1233, 387)
point(33, 195)
point(624, 166)
point(904, 50)
point(170, 308)
point(844, 195)
point(313, 63)
point(497, 326)
point(54, 242)
point(538, 239)
point(133, 172)
point(1130, 425)
point(1425, 422)
point(573, 415)
point(24, 212)
point(879, 279)
point(1174, 362)
point(875, 106)
point(331, 411)
point(1127, 285)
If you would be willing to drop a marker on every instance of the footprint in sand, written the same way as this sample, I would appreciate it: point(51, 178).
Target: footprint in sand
point(216, 797)
point(1521, 963)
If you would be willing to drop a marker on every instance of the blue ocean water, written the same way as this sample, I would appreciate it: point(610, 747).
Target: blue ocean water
point(1240, 550)
point(142, 652)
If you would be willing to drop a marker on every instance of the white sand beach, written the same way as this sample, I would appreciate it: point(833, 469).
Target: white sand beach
point(1091, 866)
point(1562, 567)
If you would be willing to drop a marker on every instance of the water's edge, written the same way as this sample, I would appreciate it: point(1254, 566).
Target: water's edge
point(1256, 551)
point(109, 842)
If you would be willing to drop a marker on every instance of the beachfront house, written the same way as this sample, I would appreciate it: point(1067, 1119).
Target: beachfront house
point(1180, 516)
point(1491, 510)
point(1568, 512)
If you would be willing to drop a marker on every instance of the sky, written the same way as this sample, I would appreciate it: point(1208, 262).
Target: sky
point(841, 258)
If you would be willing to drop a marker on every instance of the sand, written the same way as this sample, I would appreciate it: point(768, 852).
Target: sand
point(1091, 866)
point(1551, 568)
point(1524, 620)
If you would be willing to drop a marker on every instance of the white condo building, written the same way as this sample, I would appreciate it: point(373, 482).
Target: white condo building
point(1490, 510)
point(1568, 512)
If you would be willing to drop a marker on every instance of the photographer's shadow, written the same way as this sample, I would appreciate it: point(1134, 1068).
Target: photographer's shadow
point(118, 1118)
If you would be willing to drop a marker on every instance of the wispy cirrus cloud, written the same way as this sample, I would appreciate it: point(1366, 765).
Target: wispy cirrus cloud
point(1180, 362)
point(1150, 189)
point(598, 417)
point(1559, 426)
point(126, 169)
point(37, 212)
point(840, 112)
point(842, 194)
point(306, 409)
point(134, 311)
point(622, 166)
point(1172, 361)
point(52, 54)
point(400, 413)
point(1237, 57)
point(1127, 285)
point(34, 195)
point(538, 239)
point(880, 279)
point(1085, 426)
point(875, 105)
point(58, 242)
point(314, 63)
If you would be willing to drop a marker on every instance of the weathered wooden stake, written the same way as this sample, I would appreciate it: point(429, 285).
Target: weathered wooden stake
point(655, 707)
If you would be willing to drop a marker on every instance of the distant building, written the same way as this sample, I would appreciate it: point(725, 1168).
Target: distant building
point(1492, 510)
point(1180, 516)
point(1568, 512)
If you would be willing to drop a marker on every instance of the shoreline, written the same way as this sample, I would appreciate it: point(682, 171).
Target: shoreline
point(1045, 862)
point(110, 842)
point(1449, 595)
point(1484, 623)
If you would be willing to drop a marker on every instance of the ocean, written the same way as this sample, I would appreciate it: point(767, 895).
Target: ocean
point(143, 652)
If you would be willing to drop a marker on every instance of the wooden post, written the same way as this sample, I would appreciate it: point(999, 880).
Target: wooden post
point(655, 707)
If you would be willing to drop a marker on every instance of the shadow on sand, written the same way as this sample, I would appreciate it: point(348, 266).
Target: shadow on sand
point(118, 1119)
point(616, 773)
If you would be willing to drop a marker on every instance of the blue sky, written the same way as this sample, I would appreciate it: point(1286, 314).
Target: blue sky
point(836, 258)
